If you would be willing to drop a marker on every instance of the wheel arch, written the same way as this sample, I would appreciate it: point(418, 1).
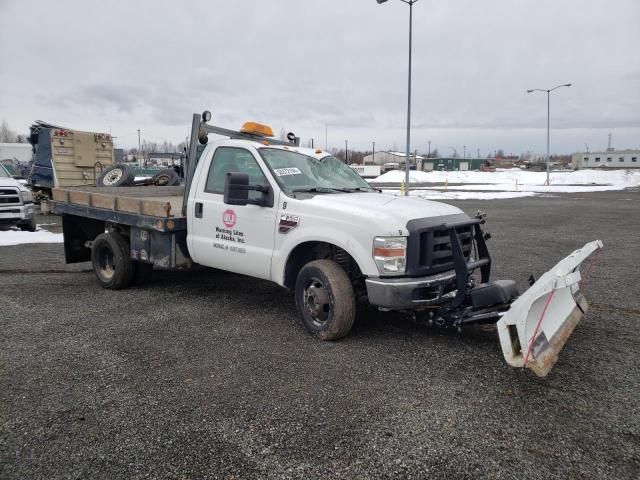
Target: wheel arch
point(308, 251)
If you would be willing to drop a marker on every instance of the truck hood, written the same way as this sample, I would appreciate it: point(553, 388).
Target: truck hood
point(11, 182)
point(383, 209)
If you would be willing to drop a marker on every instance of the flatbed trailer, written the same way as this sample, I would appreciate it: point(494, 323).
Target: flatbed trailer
point(151, 216)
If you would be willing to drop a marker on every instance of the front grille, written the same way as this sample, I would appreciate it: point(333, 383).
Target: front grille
point(9, 196)
point(429, 245)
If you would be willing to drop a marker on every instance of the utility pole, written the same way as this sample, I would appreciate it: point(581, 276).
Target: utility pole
point(139, 150)
point(478, 153)
point(312, 143)
point(374, 154)
point(346, 152)
point(429, 154)
point(326, 146)
point(464, 151)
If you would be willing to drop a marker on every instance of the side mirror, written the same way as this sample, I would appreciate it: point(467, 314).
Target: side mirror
point(236, 191)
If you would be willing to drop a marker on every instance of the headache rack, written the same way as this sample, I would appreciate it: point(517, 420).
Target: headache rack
point(452, 242)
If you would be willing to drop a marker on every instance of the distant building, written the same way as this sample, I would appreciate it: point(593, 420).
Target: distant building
point(381, 158)
point(609, 159)
point(452, 164)
point(118, 155)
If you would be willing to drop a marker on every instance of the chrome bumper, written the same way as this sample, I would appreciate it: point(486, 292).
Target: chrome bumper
point(410, 293)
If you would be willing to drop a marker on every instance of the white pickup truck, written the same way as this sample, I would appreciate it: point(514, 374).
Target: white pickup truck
point(16, 202)
point(306, 221)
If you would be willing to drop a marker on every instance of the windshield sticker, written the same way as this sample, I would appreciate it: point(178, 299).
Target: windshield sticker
point(282, 172)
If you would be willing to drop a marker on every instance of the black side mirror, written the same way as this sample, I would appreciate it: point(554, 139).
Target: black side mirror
point(236, 191)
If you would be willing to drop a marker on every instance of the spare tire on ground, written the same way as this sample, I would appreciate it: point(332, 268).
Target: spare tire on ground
point(166, 177)
point(116, 176)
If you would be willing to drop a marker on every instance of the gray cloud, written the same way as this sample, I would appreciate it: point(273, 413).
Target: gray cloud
point(303, 65)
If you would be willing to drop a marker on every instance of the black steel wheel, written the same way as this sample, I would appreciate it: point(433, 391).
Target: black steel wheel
point(29, 226)
point(325, 300)
point(166, 177)
point(112, 261)
point(116, 176)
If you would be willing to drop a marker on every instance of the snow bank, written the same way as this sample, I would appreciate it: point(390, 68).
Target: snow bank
point(522, 180)
point(18, 237)
point(429, 194)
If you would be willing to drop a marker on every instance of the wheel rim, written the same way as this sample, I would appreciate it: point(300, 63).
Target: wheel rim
point(316, 302)
point(112, 176)
point(162, 180)
point(106, 263)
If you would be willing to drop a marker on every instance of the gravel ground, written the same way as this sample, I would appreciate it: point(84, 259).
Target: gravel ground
point(204, 374)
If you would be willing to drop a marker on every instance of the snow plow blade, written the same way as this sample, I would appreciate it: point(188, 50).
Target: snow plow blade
point(538, 324)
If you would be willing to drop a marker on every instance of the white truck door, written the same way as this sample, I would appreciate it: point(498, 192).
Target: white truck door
point(236, 238)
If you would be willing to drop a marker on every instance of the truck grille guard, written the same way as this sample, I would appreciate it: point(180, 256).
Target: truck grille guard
point(442, 244)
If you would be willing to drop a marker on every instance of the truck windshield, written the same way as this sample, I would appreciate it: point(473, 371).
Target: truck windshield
point(296, 172)
point(4, 173)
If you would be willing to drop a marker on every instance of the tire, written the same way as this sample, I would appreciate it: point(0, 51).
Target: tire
point(115, 176)
point(166, 177)
point(142, 273)
point(111, 261)
point(325, 300)
point(29, 226)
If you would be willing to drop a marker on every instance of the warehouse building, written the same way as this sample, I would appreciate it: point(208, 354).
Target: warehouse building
point(609, 159)
point(381, 158)
point(452, 164)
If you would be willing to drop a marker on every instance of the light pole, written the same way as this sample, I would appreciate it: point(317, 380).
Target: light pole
point(374, 154)
point(408, 150)
point(346, 152)
point(429, 154)
point(548, 91)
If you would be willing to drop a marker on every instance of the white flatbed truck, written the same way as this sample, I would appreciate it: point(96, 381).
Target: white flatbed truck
point(306, 221)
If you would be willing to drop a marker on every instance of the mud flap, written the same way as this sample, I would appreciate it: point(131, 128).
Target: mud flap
point(538, 324)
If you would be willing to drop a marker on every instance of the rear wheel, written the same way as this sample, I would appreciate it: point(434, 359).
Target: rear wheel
point(112, 261)
point(325, 300)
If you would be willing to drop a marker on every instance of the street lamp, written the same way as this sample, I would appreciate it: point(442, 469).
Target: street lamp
point(548, 91)
point(408, 151)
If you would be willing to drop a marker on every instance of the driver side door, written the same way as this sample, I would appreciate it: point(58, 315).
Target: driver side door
point(236, 238)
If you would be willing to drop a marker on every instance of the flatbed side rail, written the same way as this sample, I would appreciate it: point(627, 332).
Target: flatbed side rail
point(147, 222)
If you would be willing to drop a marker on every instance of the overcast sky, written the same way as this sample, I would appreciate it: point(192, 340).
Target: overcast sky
point(301, 65)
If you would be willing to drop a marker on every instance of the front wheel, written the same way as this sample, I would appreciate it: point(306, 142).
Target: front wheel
point(112, 261)
point(29, 226)
point(325, 300)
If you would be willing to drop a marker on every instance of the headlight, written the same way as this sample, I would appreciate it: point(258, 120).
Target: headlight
point(390, 255)
point(27, 196)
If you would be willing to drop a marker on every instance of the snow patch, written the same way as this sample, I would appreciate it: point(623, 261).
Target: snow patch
point(18, 237)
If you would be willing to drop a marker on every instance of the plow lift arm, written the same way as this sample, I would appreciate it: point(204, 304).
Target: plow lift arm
point(538, 324)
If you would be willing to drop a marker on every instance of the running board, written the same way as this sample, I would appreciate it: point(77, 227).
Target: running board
point(538, 324)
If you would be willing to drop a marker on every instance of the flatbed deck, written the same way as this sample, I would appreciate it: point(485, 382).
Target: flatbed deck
point(151, 201)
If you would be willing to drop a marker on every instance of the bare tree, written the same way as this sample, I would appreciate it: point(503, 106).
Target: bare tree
point(6, 134)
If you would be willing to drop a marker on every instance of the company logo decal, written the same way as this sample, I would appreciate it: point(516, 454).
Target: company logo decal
point(229, 218)
point(288, 223)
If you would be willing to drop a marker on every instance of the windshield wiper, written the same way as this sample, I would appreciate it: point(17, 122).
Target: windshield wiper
point(356, 189)
point(314, 190)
